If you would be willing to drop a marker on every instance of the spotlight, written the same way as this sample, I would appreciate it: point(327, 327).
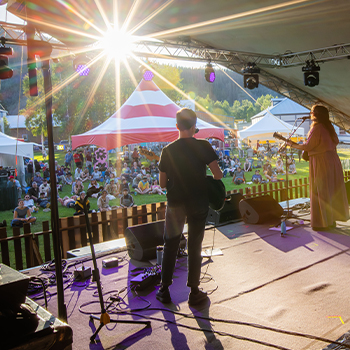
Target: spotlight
point(209, 73)
point(250, 76)
point(80, 65)
point(311, 75)
point(5, 71)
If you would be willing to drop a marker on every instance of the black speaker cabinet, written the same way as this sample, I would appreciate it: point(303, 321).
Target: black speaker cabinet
point(229, 212)
point(142, 240)
point(258, 210)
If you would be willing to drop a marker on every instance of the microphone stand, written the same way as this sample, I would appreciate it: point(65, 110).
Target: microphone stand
point(104, 317)
point(282, 151)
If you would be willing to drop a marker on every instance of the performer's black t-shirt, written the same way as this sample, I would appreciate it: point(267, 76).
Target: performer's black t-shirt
point(184, 161)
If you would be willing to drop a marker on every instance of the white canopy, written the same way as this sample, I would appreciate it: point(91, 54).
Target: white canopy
point(9, 148)
point(265, 127)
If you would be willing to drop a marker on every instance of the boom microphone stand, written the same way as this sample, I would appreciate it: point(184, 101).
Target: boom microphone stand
point(282, 151)
point(104, 318)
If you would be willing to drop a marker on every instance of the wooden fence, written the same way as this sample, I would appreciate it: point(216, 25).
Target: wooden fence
point(110, 225)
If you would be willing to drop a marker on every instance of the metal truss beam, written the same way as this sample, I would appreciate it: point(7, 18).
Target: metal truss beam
point(189, 50)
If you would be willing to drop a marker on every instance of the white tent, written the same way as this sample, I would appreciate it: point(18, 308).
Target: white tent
point(265, 127)
point(9, 148)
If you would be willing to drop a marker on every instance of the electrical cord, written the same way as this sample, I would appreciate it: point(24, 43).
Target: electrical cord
point(248, 324)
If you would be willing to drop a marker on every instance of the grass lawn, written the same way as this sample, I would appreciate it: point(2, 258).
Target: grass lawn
point(302, 172)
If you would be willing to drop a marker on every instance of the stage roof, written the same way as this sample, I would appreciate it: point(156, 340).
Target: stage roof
point(278, 35)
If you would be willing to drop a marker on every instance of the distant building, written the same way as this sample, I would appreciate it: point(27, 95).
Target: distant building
point(18, 122)
point(289, 111)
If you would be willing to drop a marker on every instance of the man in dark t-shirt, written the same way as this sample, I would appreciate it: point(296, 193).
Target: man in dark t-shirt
point(182, 166)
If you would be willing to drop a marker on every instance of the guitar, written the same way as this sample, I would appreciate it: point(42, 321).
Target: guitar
point(216, 193)
point(278, 136)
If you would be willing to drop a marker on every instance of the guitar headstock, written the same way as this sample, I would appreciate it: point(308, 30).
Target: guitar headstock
point(278, 136)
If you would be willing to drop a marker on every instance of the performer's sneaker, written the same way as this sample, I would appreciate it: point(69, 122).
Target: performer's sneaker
point(163, 295)
point(197, 298)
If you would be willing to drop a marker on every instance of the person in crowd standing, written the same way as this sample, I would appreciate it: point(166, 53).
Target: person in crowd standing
point(77, 159)
point(12, 182)
point(68, 158)
point(328, 198)
point(182, 171)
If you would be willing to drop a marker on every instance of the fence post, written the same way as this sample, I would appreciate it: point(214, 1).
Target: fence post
point(83, 238)
point(105, 226)
point(18, 248)
point(94, 228)
point(47, 244)
point(28, 246)
point(5, 256)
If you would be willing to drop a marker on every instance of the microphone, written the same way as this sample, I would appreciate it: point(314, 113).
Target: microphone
point(305, 118)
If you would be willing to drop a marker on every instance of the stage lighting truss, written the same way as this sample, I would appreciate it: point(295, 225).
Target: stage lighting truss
point(209, 73)
point(80, 64)
point(5, 71)
point(311, 75)
point(250, 76)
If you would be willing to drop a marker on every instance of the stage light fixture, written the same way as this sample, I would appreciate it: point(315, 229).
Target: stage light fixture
point(250, 76)
point(209, 73)
point(311, 75)
point(80, 64)
point(5, 71)
point(148, 75)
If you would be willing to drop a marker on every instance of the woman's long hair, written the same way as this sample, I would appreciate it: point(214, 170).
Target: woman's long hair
point(321, 116)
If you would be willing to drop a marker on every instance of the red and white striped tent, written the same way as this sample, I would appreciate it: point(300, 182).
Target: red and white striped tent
point(147, 116)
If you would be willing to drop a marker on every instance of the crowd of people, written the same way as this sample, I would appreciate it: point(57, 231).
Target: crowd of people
point(247, 169)
point(120, 181)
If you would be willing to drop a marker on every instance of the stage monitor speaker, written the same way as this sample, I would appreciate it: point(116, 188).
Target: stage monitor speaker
point(258, 210)
point(142, 240)
point(229, 212)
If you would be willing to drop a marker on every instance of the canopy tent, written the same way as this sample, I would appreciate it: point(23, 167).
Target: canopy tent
point(147, 116)
point(9, 148)
point(265, 127)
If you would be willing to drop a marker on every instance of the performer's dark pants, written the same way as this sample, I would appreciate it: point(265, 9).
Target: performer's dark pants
point(175, 217)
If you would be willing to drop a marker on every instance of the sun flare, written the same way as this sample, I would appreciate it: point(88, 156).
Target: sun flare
point(117, 44)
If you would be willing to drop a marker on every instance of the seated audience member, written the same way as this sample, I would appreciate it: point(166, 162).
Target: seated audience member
point(60, 175)
point(69, 180)
point(292, 168)
point(135, 155)
point(143, 186)
point(97, 174)
point(96, 185)
point(126, 199)
point(257, 178)
point(68, 202)
point(103, 202)
point(46, 173)
point(136, 180)
point(33, 192)
point(29, 203)
point(113, 190)
point(44, 187)
point(270, 174)
point(79, 204)
point(126, 172)
point(85, 176)
point(123, 185)
point(259, 163)
point(155, 188)
point(77, 173)
point(78, 187)
point(279, 166)
point(135, 170)
point(12, 182)
point(22, 215)
point(238, 176)
point(43, 201)
point(247, 166)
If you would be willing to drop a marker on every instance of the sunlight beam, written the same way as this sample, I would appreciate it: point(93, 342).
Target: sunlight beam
point(103, 14)
point(131, 13)
point(152, 15)
point(227, 18)
point(71, 9)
